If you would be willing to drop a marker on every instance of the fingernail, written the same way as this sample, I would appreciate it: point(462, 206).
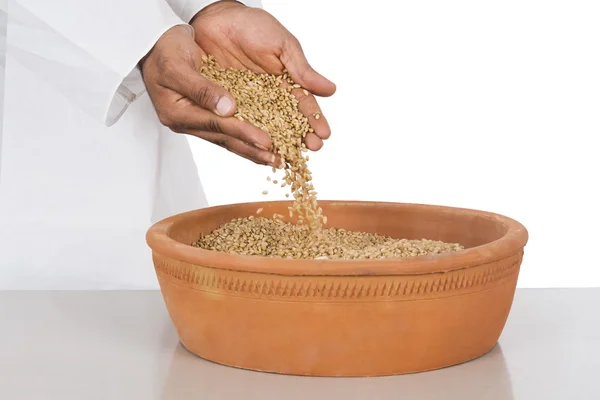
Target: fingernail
point(260, 146)
point(224, 106)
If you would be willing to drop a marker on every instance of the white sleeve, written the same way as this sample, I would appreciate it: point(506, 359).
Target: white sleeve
point(88, 49)
point(186, 9)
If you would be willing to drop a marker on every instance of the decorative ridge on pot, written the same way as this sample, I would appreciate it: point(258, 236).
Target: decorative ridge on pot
point(340, 288)
point(509, 243)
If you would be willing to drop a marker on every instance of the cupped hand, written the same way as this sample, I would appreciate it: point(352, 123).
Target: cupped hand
point(249, 38)
point(188, 103)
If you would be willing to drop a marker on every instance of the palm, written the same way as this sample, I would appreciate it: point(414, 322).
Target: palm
point(242, 38)
point(247, 38)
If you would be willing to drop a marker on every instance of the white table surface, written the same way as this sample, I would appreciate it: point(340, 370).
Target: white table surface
point(121, 345)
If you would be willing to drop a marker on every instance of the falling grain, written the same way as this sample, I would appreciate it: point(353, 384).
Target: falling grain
point(264, 102)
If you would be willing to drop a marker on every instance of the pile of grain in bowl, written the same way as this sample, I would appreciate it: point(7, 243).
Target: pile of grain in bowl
point(266, 237)
point(267, 102)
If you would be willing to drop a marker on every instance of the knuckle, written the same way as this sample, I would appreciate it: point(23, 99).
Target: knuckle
point(214, 125)
point(303, 74)
point(260, 13)
point(178, 128)
point(172, 120)
point(303, 96)
point(223, 142)
point(202, 95)
point(166, 118)
point(166, 65)
point(293, 40)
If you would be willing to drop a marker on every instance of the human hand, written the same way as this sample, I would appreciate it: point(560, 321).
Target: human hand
point(249, 38)
point(186, 102)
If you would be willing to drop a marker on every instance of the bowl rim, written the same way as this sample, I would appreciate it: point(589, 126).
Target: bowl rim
point(515, 239)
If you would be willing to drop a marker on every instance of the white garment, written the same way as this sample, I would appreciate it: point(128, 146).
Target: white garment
point(77, 197)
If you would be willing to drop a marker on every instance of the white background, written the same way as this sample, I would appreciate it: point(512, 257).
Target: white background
point(486, 105)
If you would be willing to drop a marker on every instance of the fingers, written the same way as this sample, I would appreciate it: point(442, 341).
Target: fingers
point(301, 72)
point(307, 105)
point(206, 94)
point(238, 147)
point(184, 115)
point(313, 142)
point(239, 137)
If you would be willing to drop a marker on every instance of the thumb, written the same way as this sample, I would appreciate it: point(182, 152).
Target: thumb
point(302, 73)
point(203, 92)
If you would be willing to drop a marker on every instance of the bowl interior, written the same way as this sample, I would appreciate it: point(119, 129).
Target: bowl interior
point(470, 228)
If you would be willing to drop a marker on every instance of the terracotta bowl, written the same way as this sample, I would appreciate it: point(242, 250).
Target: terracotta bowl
point(342, 318)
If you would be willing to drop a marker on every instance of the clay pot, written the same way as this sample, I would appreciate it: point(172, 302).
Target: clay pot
point(342, 318)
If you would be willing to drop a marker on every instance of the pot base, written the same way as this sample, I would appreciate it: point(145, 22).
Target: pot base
point(343, 376)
